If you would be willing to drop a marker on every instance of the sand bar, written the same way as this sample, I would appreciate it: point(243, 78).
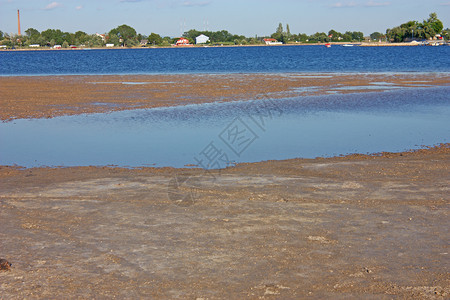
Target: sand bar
point(50, 96)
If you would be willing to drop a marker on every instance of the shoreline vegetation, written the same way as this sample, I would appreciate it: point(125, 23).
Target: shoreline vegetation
point(413, 33)
point(363, 44)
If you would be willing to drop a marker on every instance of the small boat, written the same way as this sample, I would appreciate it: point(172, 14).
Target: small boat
point(347, 45)
point(328, 45)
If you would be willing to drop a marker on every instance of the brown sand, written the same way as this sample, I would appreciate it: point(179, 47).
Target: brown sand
point(348, 227)
point(353, 227)
point(44, 97)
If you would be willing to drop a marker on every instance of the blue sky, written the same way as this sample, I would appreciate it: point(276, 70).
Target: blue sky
point(247, 17)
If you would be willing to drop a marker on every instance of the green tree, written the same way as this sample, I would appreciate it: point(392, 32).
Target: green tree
point(288, 32)
point(280, 28)
point(93, 41)
point(376, 36)
point(279, 35)
point(55, 35)
point(80, 37)
point(413, 29)
point(32, 33)
point(320, 37)
point(357, 36)
point(435, 23)
point(347, 36)
point(446, 34)
point(123, 34)
point(154, 39)
point(335, 35)
point(192, 34)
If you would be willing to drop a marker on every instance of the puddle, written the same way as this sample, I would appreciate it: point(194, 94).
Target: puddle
point(382, 83)
point(367, 87)
point(306, 89)
point(132, 82)
point(311, 76)
point(218, 134)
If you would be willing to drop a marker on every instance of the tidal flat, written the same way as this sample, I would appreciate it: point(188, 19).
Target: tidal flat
point(352, 226)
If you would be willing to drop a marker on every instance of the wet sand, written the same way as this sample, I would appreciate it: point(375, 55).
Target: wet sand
point(50, 96)
point(346, 227)
point(358, 226)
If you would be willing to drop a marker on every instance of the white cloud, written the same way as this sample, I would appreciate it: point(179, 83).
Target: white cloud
point(370, 3)
point(53, 5)
point(342, 5)
point(79, 7)
point(445, 4)
point(195, 3)
point(375, 4)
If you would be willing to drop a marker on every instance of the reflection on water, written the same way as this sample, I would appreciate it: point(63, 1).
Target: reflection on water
point(214, 135)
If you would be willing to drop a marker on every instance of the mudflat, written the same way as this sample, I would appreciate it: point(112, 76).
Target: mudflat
point(355, 226)
point(50, 96)
point(344, 227)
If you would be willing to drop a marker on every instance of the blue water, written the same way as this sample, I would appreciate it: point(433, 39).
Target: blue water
point(219, 134)
point(226, 60)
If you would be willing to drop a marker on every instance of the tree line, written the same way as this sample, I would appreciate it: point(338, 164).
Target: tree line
point(417, 30)
point(125, 35)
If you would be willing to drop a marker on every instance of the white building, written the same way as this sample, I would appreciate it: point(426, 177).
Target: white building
point(201, 39)
point(102, 36)
point(272, 42)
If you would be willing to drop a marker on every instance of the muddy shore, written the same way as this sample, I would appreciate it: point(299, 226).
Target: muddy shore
point(50, 96)
point(356, 227)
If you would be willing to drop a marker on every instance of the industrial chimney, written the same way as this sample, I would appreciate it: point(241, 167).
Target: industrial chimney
point(18, 22)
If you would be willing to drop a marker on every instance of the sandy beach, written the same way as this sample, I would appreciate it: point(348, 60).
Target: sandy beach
point(358, 226)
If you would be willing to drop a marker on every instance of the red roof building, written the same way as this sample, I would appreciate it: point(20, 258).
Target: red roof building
point(182, 42)
point(272, 42)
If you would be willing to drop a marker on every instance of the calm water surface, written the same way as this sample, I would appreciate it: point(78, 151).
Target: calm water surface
point(226, 60)
point(212, 135)
point(215, 135)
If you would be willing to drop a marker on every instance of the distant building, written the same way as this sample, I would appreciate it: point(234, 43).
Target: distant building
point(182, 42)
point(34, 46)
point(102, 36)
point(109, 45)
point(57, 47)
point(272, 42)
point(144, 42)
point(201, 39)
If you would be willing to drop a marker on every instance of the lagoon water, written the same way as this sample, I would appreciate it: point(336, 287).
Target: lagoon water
point(226, 60)
point(214, 135)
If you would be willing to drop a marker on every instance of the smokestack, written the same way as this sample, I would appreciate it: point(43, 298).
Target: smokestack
point(18, 22)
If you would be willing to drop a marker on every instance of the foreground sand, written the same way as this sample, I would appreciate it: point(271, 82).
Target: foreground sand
point(355, 227)
point(349, 227)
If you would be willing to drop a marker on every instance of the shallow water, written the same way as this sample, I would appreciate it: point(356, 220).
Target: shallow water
point(220, 134)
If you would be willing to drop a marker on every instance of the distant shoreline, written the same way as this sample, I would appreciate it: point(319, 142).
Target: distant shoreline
point(363, 44)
